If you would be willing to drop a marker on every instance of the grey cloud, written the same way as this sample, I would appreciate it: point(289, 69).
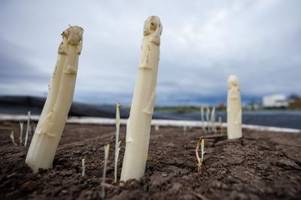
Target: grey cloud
point(14, 69)
point(202, 43)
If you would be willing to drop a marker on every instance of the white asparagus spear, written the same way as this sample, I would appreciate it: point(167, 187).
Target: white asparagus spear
point(21, 133)
point(83, 167)
point(28, 128)
point(104, 172)
point(213, 124)
point(139, 122)
point(12, 137)
point(203, 119)
point(117, 142)
point(233, 109)
point(49, 130)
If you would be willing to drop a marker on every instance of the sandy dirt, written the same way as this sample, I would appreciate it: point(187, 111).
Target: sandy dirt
point(261, 165)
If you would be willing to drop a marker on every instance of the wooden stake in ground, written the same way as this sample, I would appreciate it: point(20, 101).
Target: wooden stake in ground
point(233, 109)
point(139, 122)
point(55, 112)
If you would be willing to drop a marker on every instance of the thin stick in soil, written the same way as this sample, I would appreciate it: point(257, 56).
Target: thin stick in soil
point(106, 151)
point(83, 168)
point(201, 142)
point(21, 133)
point(208, 120)
point(220, 125)
point(117, 142)
point(213, 124)
point(27, 128)
point(12, 137)
point(203, 119)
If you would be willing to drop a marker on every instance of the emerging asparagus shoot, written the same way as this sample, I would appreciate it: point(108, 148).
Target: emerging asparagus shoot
point(139, 122)
point(12, 137)
point(201, 142)
point(203, 119)
point(233, 109)
point(208, 119)
point(106, 153)
point(213, 127)
point(83, 168)
point(184, 129)
point(117, 142)
point(55, 112)
point(220, 125)
point(28, 128)
point(21, 133)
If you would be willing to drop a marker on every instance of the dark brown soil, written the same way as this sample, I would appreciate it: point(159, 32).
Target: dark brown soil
point(258, 166)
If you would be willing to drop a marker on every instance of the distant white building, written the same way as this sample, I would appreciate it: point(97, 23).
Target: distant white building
point(275, 101)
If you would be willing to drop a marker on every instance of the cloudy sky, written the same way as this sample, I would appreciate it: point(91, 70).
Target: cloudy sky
point(202, 43)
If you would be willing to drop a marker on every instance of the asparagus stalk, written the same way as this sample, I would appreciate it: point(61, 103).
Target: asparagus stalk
point(201, 142)
point(117, 142)
point(21, 133)
point(220, 125)
point(28, 128)
point(208, 119)
point(12, 137)
point(213, 120)
point(104, 172)
point(233, 109)
point(203, 120)
point(83, 167)
point(139, 122)
point(50, 126)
